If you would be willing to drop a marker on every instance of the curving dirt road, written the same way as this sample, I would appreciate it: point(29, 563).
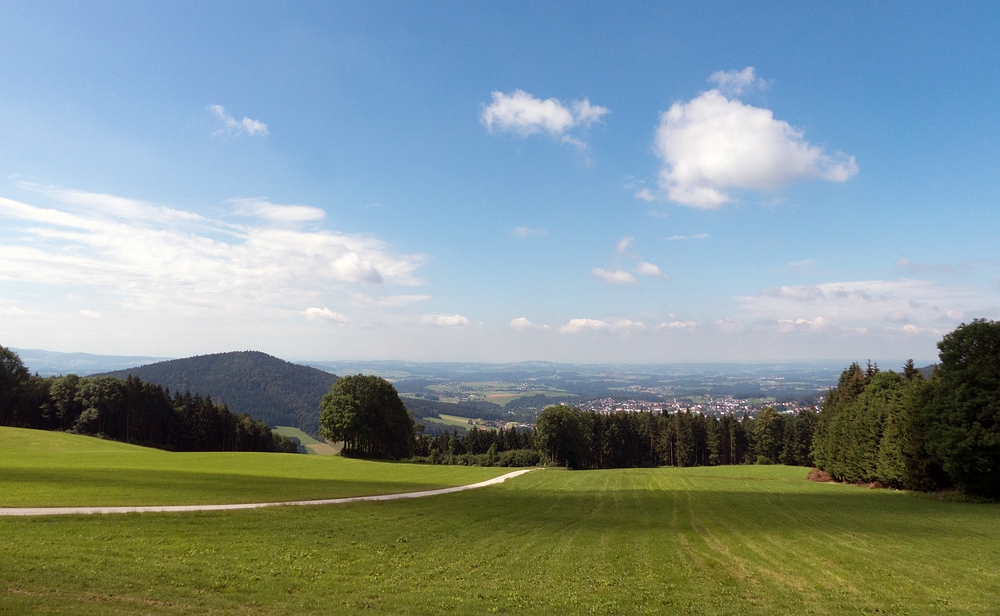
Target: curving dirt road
point(23, 511)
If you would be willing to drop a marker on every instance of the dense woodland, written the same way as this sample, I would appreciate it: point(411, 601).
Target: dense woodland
point(905, 431)
point(477, 447)
point(128, 410)
point(579, 439)
point(570, 437)
point(276, 391)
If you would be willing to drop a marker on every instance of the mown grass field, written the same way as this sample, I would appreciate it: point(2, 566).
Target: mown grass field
point(503, 398)
point(39, 468)
point(725, 540)
point(455, 420)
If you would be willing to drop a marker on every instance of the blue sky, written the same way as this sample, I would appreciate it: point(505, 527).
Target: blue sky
point(606, 182)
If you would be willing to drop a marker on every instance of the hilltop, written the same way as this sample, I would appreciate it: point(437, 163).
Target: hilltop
point(265, 387)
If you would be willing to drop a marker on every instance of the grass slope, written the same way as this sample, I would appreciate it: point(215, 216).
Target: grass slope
point(725, 540)
point(312, 445)
point(289, 431)
point(46, 469)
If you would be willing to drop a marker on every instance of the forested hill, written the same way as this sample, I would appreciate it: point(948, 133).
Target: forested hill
point(276, 391)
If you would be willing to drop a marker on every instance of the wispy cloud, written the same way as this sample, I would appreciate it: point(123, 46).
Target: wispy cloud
point(645, 194)
point(262, 208)
point(734, 82)
point(113, 206)
point(619, 326)
point(527, 232)
point(387, 301)
point(147, 256)
point(922, 268)
point(864, 306)
point(232, 126)
point(805, 265)
point(696, 236)
point(713, 144)
point(677, 325)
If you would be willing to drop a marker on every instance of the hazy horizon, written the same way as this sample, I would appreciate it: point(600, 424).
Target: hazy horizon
point(48, 363)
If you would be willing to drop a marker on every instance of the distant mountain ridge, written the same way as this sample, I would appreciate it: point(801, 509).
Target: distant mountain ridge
point(54, 363)
point(265, 387)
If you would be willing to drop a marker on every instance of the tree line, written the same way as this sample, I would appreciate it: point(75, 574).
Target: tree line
point(904, 431)
point(570, 437)
point(128, 410)
point(478, 447)
point(574, 438)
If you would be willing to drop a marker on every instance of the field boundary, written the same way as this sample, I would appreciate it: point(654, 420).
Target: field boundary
point(33, 511)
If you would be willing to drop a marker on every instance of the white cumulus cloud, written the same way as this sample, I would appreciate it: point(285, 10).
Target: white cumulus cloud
point(523, 114)
point(790, 325)
point(233, 126)
point(445, 320)
point(615, 277)
point(714, 144)
point(649, 269)
point(522, 324)
point(325, 314)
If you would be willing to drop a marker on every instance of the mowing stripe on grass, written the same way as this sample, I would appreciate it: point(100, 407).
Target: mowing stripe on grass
point(27, 511)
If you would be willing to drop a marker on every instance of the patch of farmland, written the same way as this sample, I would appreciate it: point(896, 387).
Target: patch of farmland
point(465, 422)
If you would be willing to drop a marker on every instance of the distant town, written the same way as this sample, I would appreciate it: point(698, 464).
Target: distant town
point(714, 407)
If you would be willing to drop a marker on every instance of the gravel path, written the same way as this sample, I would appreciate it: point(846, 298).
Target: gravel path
point(23, 511)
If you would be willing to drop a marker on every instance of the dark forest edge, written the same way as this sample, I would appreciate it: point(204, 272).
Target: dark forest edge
point(905, 431)
point(128, 410)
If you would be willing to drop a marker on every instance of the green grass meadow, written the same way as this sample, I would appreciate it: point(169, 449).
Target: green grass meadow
point(721, 540)
point(49, 469)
